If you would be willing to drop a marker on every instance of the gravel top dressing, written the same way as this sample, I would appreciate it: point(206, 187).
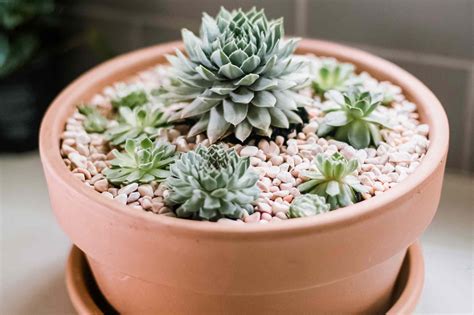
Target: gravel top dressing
point(283, 161)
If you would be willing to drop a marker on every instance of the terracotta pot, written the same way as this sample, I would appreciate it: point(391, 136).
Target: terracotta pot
point(343, 261)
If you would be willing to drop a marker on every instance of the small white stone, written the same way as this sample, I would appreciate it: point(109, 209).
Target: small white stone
point(128, 189)
point(276, 160)
point(264, 207)
point(249, 151)
point(77, 159)
point(286, 177)
point(292, 149)
point(122, 198)
point(272, 171)
point(398, 157)
point(279, 207)
point(107, 195)
point(134, 196)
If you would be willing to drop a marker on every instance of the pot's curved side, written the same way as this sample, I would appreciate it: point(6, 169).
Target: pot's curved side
point(212, 259)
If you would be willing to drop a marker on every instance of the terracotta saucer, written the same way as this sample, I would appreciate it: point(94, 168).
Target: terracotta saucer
point(87, 299)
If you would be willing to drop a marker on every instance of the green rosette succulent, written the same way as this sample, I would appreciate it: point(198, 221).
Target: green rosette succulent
point(142, 161)
point(140, 121)
point(212, 183)
point(333, 75)
point(132, 100)
point(240, 76)
point(333, 179)
point(308, 205)
point(351, 117)
point(94, 121)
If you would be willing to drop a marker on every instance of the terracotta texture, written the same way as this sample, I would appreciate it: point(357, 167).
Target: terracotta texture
point(86, 300)
point(346, 260)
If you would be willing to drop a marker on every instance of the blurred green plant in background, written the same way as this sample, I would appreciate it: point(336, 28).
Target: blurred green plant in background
point(23, 23)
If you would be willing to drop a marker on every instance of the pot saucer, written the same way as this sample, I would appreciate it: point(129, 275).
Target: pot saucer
point(87, 299)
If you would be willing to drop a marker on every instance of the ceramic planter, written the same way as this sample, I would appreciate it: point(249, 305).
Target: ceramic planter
point(343, 261)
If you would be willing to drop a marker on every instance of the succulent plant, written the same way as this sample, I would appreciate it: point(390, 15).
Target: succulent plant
point(351, 118)
point(212, 183)
point(333, 75)
point(142, 121)
point(308, 205)
point(94, 121)
point(240, 77)
point(131, 100)
point(333, 180)
point(142, 161)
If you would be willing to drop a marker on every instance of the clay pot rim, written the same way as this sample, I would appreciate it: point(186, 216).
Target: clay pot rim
point(130, 63)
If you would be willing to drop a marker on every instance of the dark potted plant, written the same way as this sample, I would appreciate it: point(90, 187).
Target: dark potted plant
point(27, 81)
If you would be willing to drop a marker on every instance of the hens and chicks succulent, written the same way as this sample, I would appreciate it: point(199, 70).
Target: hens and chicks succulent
point(239, 78)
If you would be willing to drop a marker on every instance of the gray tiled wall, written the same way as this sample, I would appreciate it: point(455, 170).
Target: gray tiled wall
point(433, 39)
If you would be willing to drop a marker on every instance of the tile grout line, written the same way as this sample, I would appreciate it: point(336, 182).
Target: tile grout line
point(467, 150)
point(301, 21)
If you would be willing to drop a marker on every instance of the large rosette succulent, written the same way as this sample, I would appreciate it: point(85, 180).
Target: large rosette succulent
point(239, 76)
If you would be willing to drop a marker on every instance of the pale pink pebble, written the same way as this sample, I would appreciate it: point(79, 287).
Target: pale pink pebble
point(134, 196)
point(378, 186)
point(249, 151)
point(82, 149)
point(286, 186)
point(279, 140)
point(297, 159)
point(160, 190)
point(322, 141)
point(86, 173)
point(263, 145)
point(67, 149)
point(288, 198)
point(286, 177)
point(137, 207)
point(100, 165)
point(80, 176)
point(366, 167)
point(298, 181)
point(263, 222)
point(170, 214)
point(366, 196)
point(97, 157)
point(281, 193)
point(276, 182)
point(95, 178)
point(253, 218)
point(145, 190)
point(156, 206)
point(101, 185)
point(266, 216)
point(276, 160)
point(77, 159)
point(275, 219)
point(264, 207)
point(122, 198)
point(146, 202)
point(279, 207)
point(272, 171)
point(295, 192)
point(69, 142)
point(292, 149)
point(281, 215)
point(113, 191)
point(164, 210)
point(255, 161)
point(263, 187)
point(274, 188)
point(290, 161)
point(260, 155)
point(108, 195)
point(128, 189)
point(384, 178)
point(284, 167)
